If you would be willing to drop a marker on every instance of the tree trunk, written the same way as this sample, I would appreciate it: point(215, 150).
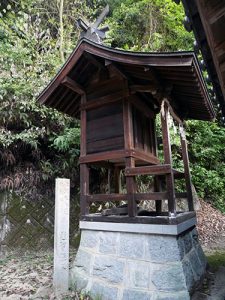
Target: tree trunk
point(61, 45)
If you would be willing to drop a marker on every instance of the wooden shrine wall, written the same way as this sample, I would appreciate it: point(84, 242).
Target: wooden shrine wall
point(143, 132)
point(105, 128)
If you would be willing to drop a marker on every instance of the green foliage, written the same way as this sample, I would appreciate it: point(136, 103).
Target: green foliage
point(40, 143)
point(148, 26)
point(70, 139)
point(207, 157)
point(29, 59)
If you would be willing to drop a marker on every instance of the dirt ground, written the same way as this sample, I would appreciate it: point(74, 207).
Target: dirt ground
point(29, 276)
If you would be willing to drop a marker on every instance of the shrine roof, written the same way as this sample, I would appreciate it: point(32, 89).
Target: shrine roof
point(177, 70)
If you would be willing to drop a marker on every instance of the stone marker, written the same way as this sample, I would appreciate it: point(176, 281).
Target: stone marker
point(61, 235)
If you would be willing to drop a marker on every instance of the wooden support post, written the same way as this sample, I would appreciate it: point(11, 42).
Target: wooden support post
point(157, 188)
point(154, 139)
point(131, 189)
point(83, 126)
point(168, 159)
point(128, 125)
point(129, 161)
point(84, 170)
point(186, 168)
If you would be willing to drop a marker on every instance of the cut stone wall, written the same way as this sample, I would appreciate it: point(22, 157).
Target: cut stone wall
point(132, 266)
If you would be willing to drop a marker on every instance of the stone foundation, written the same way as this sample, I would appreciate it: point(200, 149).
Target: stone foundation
point(122, 264)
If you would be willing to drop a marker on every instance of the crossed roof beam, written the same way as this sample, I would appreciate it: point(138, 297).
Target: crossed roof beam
point(92, 31)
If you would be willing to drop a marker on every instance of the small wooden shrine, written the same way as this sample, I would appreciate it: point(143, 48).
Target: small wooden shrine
point(117, 95)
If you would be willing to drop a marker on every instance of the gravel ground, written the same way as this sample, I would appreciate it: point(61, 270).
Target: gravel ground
point(29, 276)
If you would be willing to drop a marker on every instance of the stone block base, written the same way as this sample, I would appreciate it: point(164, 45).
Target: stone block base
point(119, 265)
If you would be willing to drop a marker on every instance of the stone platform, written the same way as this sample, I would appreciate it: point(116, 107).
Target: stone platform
point(118, 261)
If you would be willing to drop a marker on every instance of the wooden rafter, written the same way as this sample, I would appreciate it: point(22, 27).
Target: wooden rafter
point(114, 70)
point(73, 85)
point(94, 60)
point(143, 88)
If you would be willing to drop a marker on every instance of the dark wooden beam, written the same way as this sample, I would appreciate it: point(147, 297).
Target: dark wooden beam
point(149, 170)
point(186, 168)
point(131, 189)
point(94, 60)
point(158, 188)
point(104, 100)
point(84, 169)
point(117, 197)
point(106, 197)
point(151, 196)
point(146, 88)
point(74, 104)
point(129, 161)
point(115, 70)
point(133, 88)
point(108, 155)
point(73, 85)
point(142, 155)
point(58, 98)
point(168, 159)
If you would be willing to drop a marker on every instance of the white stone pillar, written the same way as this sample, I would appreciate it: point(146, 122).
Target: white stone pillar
point(61, 235)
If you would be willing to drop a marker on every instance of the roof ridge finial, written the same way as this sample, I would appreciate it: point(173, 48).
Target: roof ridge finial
point(91, 31)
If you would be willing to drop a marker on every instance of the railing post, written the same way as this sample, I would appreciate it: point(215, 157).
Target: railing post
point(168, 159)
point(186, 167)
point(131, 189)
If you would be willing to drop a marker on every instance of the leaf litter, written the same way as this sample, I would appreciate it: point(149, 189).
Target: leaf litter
point(211, 227)
point(29, 276)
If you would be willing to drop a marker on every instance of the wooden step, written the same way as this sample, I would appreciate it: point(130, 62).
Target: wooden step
point(154, 170)
point(149, 170)
point(136, 196)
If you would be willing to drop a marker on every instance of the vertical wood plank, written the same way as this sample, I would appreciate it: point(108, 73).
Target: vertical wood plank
point(128, 125)
point(186, 168)
point(83, 127)
point(131, 189)
point(168, 160)
point(154, 140)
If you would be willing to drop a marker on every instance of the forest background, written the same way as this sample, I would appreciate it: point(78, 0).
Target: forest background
point(38, 144)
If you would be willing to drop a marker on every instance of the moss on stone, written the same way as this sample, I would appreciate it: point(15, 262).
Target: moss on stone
point(216, 260)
